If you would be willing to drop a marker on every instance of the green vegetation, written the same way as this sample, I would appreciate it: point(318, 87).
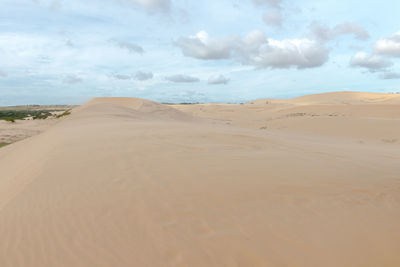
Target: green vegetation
point(65, 113)
point(3, 144)
point(13, 115)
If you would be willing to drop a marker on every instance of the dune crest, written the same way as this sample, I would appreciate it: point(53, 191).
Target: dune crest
point(134, 108)
point(131, 182)
point(337, 98)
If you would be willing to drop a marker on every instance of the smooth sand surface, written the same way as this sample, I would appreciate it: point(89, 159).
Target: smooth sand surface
point(21, 129)
point(312, 181)
point(11, 132)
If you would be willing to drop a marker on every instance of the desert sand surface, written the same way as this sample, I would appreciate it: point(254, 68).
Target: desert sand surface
point(310, 181)
point(11, 132)
point(21, 129)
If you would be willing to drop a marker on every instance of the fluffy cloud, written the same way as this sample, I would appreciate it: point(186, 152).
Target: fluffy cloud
point(321, 31)
point(324, 33)
point(218, 79)
point(390, 75)
point(351, 28)
point(72, 79)
point(201, 46)
point(182, 78)
point(371, 62)
point(379, 60)
point(143, 76)
point(131, 47)
point(389, 46)
point(257, 50)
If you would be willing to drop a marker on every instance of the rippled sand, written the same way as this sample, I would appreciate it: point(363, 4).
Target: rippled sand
point(312, 181)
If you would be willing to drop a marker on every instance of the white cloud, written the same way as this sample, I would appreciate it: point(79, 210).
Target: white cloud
point(371, 62)
point(182, 78)
point(152, 5)
point(324, 33)
point(390, 75)
point(131, 47)
point(3, 74)
point(143, 76)
point(321, 31)
point(270, 3)
point(48, 55)
point(351, 28)
point(201, 46)
point(389, 46)
point(72, 79)
point(257, 50)
point(299, 53)
point(218, 79)
point(139, 76)
point(273, 19)
point(379, 60)
point(56, 4)
point(122, 77)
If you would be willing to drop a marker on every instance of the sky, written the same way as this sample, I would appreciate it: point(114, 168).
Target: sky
point(68, 51)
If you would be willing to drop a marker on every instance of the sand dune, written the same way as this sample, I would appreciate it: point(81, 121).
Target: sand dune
point(340, 98)
point(312, 181)
point(363, 117)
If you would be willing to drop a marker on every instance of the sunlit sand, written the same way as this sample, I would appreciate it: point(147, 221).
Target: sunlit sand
point(311, 181)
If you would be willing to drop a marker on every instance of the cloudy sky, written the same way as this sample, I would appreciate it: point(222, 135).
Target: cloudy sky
point(66, 51)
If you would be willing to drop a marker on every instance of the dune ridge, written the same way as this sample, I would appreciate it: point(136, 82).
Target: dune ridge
point(339, 98)
point(131, 182)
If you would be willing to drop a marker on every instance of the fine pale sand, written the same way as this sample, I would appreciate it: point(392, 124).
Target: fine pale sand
point(311, 181)
point(21, 129)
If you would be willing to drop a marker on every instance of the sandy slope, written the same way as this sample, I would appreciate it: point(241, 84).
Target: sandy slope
point(363, 117)
point(129, 182)
point(21, 129)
